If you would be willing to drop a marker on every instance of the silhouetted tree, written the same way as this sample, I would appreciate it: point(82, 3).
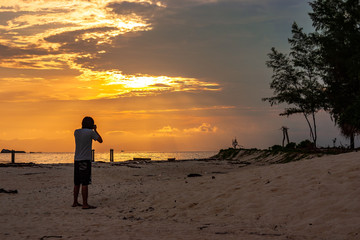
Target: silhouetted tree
point(296, 79)
point(337, 25)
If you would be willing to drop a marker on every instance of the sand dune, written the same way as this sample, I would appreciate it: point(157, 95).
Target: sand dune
point(317, 198)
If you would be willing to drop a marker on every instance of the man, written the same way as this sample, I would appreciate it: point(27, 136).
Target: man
point(82, 163)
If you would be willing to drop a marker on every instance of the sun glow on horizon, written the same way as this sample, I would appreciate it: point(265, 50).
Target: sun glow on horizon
point(51, 53)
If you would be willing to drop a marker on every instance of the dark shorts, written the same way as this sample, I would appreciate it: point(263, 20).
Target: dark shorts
point(82, 172)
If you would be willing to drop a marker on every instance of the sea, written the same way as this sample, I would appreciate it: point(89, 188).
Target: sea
point(68, 157)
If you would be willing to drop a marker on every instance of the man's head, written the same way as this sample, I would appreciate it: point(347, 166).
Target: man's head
point(88, 122)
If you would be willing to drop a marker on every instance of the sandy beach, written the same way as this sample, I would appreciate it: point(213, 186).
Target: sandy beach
point(316, 198)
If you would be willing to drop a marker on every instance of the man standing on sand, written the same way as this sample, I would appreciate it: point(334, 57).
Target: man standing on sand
point(82, 163)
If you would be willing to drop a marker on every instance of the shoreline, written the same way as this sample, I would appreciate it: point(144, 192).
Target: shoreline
point(44, 158)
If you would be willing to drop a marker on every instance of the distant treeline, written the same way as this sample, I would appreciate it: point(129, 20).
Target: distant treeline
point(9, 151)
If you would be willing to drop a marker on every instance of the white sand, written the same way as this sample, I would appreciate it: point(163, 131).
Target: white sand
point(308, 199)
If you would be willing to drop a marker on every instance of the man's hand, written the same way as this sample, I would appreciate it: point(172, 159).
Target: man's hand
point(100, 140)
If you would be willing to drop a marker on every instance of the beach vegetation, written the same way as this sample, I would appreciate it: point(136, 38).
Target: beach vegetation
point(337, 25)
point(296, 79)
point(306, 144)
point(322, 70)
point(290, 145)
point(276, 148)
point(303, 146)
point(276, 154)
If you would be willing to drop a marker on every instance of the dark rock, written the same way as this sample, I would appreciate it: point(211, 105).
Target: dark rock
point(7, 191)
point(194, 175)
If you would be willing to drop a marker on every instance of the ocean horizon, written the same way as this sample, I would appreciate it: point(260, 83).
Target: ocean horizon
point(68, 157)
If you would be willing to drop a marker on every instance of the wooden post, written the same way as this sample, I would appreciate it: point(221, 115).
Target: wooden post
point(93, 155)
point(111, 155)
point(12, 156)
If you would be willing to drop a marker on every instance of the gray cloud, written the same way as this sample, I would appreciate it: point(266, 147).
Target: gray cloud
point(224, 42)
point(7, 52)
point(139, 8)
point(196, 41)
point(72, 36)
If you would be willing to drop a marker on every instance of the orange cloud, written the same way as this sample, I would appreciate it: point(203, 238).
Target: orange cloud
point(166, 131)
point(150, 111)
point(204, 128)
point(59, 35)
point(116, 133)
point(175, 132)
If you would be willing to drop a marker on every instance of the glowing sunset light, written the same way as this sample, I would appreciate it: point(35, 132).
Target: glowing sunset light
point(154, 74)
point(154, 84)
point(96, 22)
point(37, 61)
point(75, 16)
point(175, 110)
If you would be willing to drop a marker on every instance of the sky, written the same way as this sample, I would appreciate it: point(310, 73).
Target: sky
point(163, 75)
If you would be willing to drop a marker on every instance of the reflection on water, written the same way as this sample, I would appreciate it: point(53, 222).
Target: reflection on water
point(105, 157)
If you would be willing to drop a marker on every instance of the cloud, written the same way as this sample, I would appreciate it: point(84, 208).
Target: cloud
point(61, 34)
point(175, 110)
point(144, 9)
point(166, 131)
point(185, 42)
point(207, 39)
point(203, 128)
point(63, 25)
point(117, 133)
point(7, 52)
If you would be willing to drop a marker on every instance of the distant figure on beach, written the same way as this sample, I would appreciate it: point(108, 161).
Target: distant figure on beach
point(82, 160)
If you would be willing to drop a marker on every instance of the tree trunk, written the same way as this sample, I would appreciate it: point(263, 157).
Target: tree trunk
point(283, 139)
point(352, 141)
point(287, 137)
point(312, 135)
point(315, 131)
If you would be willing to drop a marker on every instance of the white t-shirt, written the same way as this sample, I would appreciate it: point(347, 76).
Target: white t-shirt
point(83, 143)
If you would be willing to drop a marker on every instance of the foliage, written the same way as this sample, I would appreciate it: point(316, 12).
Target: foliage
point(276, 148)
point(296, 78)
point(306, 144)
point(337, 25)
point(291, 145)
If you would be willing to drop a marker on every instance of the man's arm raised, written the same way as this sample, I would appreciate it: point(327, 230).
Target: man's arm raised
point(100, 140)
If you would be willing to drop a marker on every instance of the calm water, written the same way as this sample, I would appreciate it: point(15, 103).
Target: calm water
point(118, 157)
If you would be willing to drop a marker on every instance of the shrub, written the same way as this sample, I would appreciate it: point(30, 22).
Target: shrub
point(276, 148)
point(306, 144)
point(291, 145)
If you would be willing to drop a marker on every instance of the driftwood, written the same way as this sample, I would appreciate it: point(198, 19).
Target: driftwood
point(8, 191)
point(194, 175)
point(46, 237)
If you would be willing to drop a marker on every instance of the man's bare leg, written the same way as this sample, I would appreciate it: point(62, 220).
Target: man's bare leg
point(85, 194)
point(76, 194)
